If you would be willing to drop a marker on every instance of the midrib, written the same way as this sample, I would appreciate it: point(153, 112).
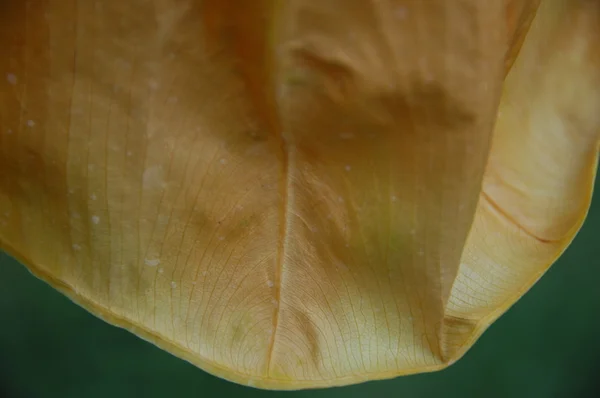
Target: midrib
point(284, 233)
point(283, 20)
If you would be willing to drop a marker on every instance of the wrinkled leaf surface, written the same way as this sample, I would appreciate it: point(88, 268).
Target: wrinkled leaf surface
point(303, 193)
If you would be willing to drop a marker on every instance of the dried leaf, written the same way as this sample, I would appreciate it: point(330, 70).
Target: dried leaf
point(304, 193)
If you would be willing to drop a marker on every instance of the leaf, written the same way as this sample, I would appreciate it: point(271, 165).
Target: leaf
point(300, 194)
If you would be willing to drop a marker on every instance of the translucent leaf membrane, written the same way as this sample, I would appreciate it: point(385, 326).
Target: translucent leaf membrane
point(539, 178)
point(297, 194)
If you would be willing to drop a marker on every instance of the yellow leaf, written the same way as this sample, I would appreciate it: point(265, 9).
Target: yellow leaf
point(297, 194)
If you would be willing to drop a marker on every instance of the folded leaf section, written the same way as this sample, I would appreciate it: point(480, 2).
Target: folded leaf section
point(538, 183)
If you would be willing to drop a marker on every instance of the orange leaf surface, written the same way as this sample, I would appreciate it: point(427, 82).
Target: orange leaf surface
point(297, 194)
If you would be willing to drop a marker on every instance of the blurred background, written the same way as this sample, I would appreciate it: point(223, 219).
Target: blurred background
point(546, 346)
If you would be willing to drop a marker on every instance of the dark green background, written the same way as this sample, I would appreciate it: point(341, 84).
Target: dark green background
point(547, 345)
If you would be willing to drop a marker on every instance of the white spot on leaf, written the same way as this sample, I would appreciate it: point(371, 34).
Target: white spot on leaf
point(342, 266)
point(153, 84)
point(153, 178)
point(152, 262)
point(401, 12)
point(11, 78)
point(95, 219)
